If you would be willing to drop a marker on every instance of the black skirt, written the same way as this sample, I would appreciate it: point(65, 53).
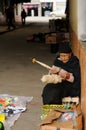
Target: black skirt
point(53, 93)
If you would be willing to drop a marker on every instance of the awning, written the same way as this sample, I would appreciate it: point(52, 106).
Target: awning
point(18, 1)
point(35, 1)
point(52, 0)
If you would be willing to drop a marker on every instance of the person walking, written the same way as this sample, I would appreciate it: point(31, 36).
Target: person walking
point(23, 17)
point(10, 17)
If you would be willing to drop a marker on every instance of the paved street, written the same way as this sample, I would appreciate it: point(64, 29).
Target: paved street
point(18, 75)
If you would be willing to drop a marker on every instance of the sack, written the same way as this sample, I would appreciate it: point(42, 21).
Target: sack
point(52, 122)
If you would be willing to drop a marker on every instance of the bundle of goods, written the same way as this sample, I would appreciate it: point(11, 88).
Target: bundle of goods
point(61, 119)
point(68, 103)
point(54, 78)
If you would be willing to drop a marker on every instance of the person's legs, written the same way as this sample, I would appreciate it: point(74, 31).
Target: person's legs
point(69, 90)
point(23, 21)
point(52, 94)
point(8, 24)
point(13, 25)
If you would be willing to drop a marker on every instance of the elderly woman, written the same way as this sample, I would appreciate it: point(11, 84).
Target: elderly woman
point(67, 66)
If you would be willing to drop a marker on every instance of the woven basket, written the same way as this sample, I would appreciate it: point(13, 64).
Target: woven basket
point(47, 108)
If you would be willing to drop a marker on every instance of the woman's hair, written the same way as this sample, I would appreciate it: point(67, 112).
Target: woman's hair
point(64, 47)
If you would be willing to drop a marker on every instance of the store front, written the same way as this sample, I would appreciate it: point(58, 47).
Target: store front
point(31, 9)
point(43, 8)
point(38, 9)
point(46, 8)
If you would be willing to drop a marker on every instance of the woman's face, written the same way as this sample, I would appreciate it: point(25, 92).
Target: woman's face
point(64, 57)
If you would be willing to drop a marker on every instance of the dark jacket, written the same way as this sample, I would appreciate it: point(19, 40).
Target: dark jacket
point(23, 14)
point(73, 67)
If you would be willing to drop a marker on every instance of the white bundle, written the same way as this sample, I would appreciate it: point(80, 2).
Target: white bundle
point(53, 78)
point(66, 99)
point(71, 99)
point(75, 100)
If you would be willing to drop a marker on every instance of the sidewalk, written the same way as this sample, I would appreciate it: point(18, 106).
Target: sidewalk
point(19, 76)
point(29, 20)
point(3, 28)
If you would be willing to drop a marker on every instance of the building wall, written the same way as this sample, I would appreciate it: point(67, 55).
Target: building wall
point(74, 15)
point(79, 49)
point(82, 20)
point(78, 18)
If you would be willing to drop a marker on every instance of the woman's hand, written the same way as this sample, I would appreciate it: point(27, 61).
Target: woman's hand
point(63, 74)
point(54, 70)
point(66, 75)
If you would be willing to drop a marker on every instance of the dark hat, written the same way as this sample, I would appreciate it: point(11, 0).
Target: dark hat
point(64, 47)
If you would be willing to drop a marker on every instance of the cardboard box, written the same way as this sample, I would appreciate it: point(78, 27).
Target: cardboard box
point(51, 122)
point(55, 38)
point(51, 39)
point(60, 37)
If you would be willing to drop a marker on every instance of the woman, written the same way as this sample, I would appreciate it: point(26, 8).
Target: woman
point(67, 66)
